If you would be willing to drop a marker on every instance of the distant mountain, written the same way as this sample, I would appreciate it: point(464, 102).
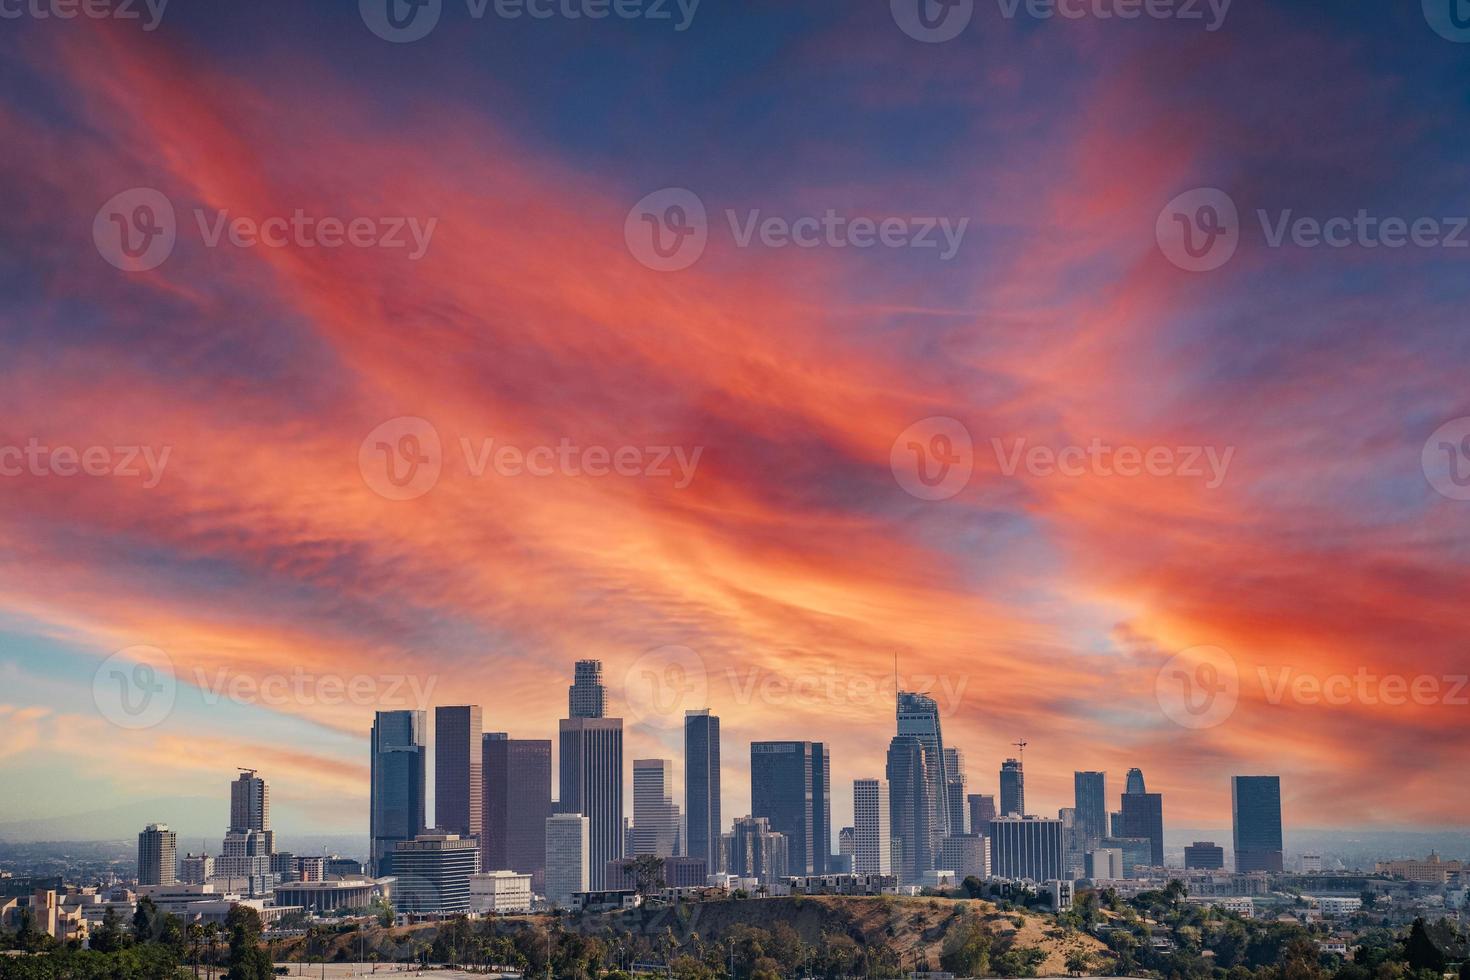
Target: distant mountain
point(192, 817)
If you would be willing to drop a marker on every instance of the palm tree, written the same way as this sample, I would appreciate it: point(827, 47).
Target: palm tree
point(196, 940)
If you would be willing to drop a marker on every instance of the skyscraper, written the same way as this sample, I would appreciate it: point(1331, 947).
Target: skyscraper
point(790, 785)
point(982, 811)
point(1143, 816)
point(568, 866)
point(592, 785)
point(459, 789)
point(702, 787)
point(872, 850)
point(587, 698)
point(250, 805)
point(954, 768)
point(1012, 789)
point(399, 781)
point(433, 872)
point(655, 814)
point(910, 808)
point(754, 850)
point(1091, 798)
point(158, 849)
point(517, 775)
point(1256, 802)
point(1205, 855)
point(918, 715)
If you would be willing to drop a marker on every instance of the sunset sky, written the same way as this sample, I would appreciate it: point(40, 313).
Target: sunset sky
point(793, 563)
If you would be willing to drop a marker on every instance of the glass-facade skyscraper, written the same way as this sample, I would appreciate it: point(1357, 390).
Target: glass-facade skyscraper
point(918, 715)
point(702, 787)
point(396, 804)
point(1090, 791)
point(910, 808)
point(1256, 803)
point(791, 786)
point(517, 773)
point(1012, 789)
point(459, 789)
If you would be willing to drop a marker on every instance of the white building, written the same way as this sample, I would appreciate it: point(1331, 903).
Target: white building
point(1338, 906)
point(1104, 864)
point(655, 815)
point(568, 858)
point(500, 893)
point(967, 854)
point(872, 847)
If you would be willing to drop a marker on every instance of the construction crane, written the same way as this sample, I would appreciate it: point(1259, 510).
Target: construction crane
point(1021, 747)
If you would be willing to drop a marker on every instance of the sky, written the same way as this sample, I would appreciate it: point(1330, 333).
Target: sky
point(757, 350)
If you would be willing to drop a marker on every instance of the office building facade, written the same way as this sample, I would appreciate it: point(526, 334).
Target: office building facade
point(655, 814)
point(790, 786)
point(1012, 789)
point(956, 784)
point(918, 716)
point(1026, 847)
point(754, 850)
point(517, 778)
point(398, 785)
point(158, 850)
point(568, 858)
point(459, 790)
point(592, 785)
point(1256, 806)
point(587, 697)
point(1204, 855)
point(702, 787)
point(871, 837)
point(910, 809)
point(434, 872)
point(1090, 796)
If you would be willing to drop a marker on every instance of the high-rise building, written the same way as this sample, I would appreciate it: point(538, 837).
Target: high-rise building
point(196, 869)
point(754, 850)
point(910, 808)
point(1026, 847)
point(1012, 789)
point(967, 855)
point(1104, 864)
point(982, 811)
point(250, 805)
point(847, 841)
point(1091, 799)
point(954, 770)
point(587, 697)
point(434, 872)
point(568, 857)
point(1256, 802)
point(1134, 785)
point(1205, 855)
point(1143, 816)
point(872, 848)
point(655, 814)
point(592, 785)
point(1137, 852)
point(1115, 823)
point(247, 860)
point(399, 781)
point(790, 785)
point(702, 787)
point(918, 715)
point(158, 849)
point(517, 776)
point(459, 790)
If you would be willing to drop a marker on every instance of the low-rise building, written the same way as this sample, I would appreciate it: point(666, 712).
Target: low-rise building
point(324, 897)
point(500, 893)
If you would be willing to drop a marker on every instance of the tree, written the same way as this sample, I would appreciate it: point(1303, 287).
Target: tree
point(648, 873)
point(966, 950)
point(1421, 951)
point(1078, 963)
point(110, 938)
point(247, 960)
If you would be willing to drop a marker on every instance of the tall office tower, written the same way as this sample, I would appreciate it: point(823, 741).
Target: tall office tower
point(847, 841)
point(702, 787)
point(250, 806)
point(1143, 816)
point(1074, 843)
point(1115, 823)
point(872, 840)
point(433, 872)
point(982, 811)
point(1256, 802)
point(1026, 847)
point(592, 785)
point(568, 861)
point(1091, 798)
point(158, 850)
point(517, 774)
point(1012, 789)
point(1205, 855)
point(910, 808)
point(587, 697)
point(399, 781)
point(1134, 785)
point(655, 814)
point(754, 850)
point(918, 715)
point(459, 789)
point(954, 770)
point(790, 785)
